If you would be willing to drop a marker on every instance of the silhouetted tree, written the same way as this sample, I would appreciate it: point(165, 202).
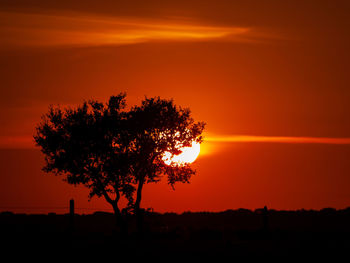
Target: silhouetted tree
point(156, 127)
point(88, 145)
point(115, 152)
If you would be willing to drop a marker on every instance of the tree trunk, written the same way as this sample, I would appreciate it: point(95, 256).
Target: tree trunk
point(138, 210)
point(120, 221)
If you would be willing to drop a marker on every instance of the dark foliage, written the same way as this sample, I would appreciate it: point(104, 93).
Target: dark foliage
point(114, 152)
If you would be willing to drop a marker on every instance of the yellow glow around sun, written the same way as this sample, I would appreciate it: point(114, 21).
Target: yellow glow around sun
point(188, 155)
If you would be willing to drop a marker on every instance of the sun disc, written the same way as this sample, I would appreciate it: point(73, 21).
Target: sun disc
point(188, 155)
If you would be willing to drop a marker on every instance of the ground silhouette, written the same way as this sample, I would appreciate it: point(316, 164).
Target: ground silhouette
point(229, 235)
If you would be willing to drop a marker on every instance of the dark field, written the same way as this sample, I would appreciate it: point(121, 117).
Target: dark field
point(217, 236)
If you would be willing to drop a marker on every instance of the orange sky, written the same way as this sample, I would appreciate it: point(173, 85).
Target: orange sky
point(270, 79)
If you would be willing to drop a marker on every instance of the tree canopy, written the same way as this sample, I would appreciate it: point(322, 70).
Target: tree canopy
point(113, 151)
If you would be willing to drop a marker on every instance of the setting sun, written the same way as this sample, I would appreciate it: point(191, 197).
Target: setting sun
point(188, 155)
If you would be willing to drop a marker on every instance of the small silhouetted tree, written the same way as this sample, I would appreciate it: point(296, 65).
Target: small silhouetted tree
point(89, 146)
point(114, 152)
point(158, 126)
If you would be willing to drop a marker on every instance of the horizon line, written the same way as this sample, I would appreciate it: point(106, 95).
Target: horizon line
point(16, 210)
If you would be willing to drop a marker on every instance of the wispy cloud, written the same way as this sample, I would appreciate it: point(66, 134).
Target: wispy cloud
point(31, 29)
point(16, 142)
point(277, 139)
point(27, 142)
